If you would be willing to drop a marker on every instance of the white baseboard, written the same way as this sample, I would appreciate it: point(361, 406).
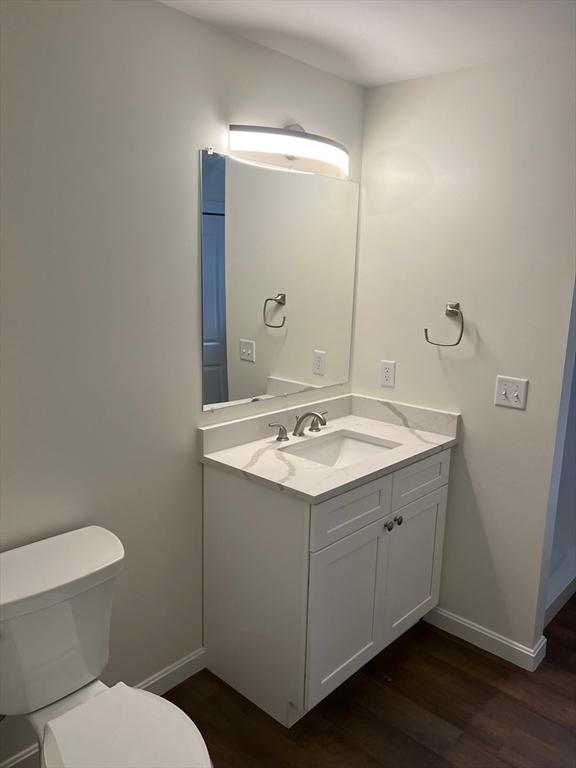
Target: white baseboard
point(174, 674)
point(158, 683)
point(559, 602)
point(27, 758)
point(521, 655)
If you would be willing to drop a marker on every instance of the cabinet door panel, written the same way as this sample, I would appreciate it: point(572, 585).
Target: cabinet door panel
point(414, 563)
point(345, 611)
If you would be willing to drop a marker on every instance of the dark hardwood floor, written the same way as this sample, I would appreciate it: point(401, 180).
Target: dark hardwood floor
point(428, 700)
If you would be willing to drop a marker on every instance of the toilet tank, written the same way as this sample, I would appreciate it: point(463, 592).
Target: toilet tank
point(55, 607)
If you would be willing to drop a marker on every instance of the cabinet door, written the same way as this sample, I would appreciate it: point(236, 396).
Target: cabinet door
point(345, 608)
point(414, 562)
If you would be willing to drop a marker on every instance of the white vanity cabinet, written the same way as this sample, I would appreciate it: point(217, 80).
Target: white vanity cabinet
point(368, 588)
point(299, 596)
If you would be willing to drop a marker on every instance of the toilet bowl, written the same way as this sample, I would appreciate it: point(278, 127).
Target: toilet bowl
point(55, 607)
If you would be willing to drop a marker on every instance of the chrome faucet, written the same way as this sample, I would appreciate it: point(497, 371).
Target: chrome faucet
point(317, 419)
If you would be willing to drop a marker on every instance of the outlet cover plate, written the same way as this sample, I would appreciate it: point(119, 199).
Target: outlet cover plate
point(319, 362)
point(248, 350)
point(387, 373)
point(511, 392)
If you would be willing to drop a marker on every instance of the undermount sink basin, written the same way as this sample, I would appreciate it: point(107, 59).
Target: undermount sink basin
point(340, 449)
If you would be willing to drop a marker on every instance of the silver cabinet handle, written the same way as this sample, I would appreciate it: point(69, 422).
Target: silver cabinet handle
point(389, 525)
point(399, 520)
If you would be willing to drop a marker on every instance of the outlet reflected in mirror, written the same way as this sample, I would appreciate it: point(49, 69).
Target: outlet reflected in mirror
point(278, 262)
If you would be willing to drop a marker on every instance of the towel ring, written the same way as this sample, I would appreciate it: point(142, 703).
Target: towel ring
point(452, 310)
point(280, 298)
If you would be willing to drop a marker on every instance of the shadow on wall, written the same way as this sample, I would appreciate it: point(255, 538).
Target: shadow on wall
point(466, 525)
point(20, 736)
point(308, 48)
point(446, 331)
point(308, 51)
point(468, 561)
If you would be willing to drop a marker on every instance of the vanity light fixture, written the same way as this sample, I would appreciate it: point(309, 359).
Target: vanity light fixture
point(289, 148)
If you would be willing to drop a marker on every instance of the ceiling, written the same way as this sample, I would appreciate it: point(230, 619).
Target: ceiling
point(379, 41)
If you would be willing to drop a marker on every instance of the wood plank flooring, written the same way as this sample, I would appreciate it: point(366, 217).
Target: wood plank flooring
point(427, 701)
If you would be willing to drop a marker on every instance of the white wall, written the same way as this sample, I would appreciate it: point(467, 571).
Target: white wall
point(288, 233)
point(105, 106)
point(468, 195)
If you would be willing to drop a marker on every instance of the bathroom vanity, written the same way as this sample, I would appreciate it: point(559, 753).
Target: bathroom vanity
point(320, 550)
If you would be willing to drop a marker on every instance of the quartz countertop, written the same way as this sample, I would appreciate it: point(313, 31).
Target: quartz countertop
point(263, 462)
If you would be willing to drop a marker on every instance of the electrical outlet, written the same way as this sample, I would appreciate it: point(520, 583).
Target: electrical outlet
point(387, 373)
point(319, 362)
point(511, 392)
point(248, 350)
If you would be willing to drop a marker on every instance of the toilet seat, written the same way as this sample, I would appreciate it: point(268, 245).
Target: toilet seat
point(124, 728)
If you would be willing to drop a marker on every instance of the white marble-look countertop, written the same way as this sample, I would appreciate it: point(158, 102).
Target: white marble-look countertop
point(263, 462)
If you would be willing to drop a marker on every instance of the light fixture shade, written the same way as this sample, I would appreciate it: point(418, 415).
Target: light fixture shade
point(289, 149)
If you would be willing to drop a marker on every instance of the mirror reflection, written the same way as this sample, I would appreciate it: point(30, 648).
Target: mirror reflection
point(278, 261)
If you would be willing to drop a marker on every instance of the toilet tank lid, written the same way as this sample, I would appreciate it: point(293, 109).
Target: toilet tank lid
point(52, 570)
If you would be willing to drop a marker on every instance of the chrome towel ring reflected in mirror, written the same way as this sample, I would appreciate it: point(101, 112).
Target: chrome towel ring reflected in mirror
point(280, 298)
point(452, 310)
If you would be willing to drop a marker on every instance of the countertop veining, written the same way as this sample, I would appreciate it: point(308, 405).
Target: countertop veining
point(263, 462)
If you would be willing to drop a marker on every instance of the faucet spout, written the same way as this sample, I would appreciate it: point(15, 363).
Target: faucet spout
point(301, 420)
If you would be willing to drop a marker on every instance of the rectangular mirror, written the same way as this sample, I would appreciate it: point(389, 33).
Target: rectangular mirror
point(278, 263)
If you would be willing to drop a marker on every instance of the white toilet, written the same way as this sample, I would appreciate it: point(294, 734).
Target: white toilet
point(55, 606)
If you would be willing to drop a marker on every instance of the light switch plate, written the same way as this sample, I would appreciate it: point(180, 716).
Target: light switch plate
point(511, 392)
point(387, 373)
point(319, 362)
point(248, 350)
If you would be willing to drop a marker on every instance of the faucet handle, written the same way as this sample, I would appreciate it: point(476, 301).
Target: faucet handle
point(282, 431)
point(315, 425)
